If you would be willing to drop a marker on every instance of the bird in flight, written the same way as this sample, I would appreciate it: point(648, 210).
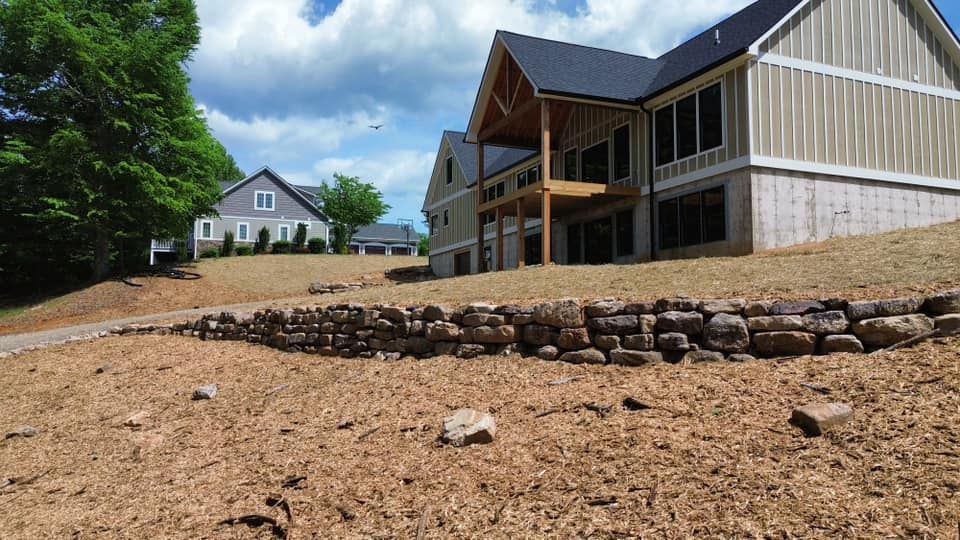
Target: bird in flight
point(376, 127)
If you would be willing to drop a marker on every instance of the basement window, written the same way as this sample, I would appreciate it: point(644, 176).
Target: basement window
point(570, 165)
point(692, 219)
point(625, 233)
point(596, 163)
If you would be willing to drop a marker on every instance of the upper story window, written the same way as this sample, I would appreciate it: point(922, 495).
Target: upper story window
point(449, 171)
point(621, 152)
point(528, 177)
point(522, 179)
point(570, 164)
point(446, 217)
point(494, 192)
point(595, 163)
point(264, 200)
point(433, 225)
point(689, 126)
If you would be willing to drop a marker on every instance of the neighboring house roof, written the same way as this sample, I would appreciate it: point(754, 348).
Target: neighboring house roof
point(294, 190)
point(312, 190)
point(224, 184)
point(389, 232)
point(496, 159)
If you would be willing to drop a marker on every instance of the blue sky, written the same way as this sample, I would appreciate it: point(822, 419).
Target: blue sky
point(293, 84)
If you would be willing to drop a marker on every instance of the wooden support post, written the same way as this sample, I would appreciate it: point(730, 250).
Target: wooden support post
point(546, 228)
point(521, 235)
point(500, 254)
point(480, 225)
point(547, 176)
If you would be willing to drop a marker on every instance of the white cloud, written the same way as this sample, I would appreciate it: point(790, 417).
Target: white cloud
point(393, 172)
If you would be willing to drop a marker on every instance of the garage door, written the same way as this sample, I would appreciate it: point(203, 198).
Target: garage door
point(375, 250)
point(400, 251)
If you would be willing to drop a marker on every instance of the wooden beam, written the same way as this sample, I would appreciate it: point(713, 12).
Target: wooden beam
point(514, 115)
point(546, 227)
point(500, 239)
point(480, 179)
point(521, 235)
point(545, 142)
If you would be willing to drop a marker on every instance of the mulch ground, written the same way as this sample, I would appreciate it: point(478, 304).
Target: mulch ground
point(356, 444)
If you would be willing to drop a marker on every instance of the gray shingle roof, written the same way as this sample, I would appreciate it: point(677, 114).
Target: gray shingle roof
point(496, 159)
point(390, 232)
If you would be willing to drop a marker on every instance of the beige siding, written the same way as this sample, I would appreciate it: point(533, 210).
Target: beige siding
point(880, 37)
point(439, 189)
point(590, 125)
point(736, 138)
point(842, 122)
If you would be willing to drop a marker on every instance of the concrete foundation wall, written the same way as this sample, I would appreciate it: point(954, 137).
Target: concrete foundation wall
point(791, 208)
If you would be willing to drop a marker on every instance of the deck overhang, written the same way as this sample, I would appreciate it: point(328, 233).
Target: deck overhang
point(566, 197)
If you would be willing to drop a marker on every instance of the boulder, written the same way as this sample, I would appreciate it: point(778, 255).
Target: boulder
point(873, 309)
point(538, 334)
point(949, 325)
point(495, 334)
point(835, 304)
point(573, 339)
point(479, 307)
point(437, 313)
point(673, 341)
point(827, 322)
point(640, 308)
point(629, 357)
point(522, 318)
point(446, 348)
point(796, 308)
point(778, 323)
point(785, 343)
point(394, 314)
point(467, 427)
point(943, 303)
point(681, 303)
point(690, 322)
point(640, 342)
point(841, 344)
point(207, 391)
point(564, 313)
point(476, 319)
point(816, 418)
point(586, 356)
point(607, 343)
point(697, 357)
point(605, 308)
point(415, 345)
point(619, 324)
point(470, 350)
point(730, 306)
point(886, 331)
point(369, 318)
point(442, 331)
point(21, 431)
point(727, 333)
point(741, 358)
point(548, 352)
point(757, 309)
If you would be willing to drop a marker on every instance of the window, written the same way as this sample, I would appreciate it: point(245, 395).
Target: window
point(595, 162)
point(264, 200)
point(625, 233)
point(534, 174)
point(446, 217)
point(690, 126)
point(243, 231)
point(692, 219)
point(598, 241)
point(283, 233)
point(449, 170)
point(570, 165)
point(574, 243)
point(206, 229)
point(433, 225)
point(621, 152)
point(521, 179)
point(489, 218)
point(494, 192)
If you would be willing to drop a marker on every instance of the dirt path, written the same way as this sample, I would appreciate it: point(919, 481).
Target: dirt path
point(70, 333)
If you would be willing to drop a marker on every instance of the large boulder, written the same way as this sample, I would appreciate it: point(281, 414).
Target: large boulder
point(841, 344)
point(731, 306)
point(495, 334)
point(727, 333)
point(640, 342)
point(944, 303)
point(757, 309)
point(470, 350)
point(484, 319)
point(673, 341)
point(442, 331)
point(393, 313)
point(701, 357)
point(684, 322)
point(827, 322)
point(415, 345)
point(586, 356)
point(605, 308)
point(796, 308)
point(607, 343)
point(775, 323)
point(886, 331)
point(467, 427)
point(619, 324)
point(538, 334)
point(628, 357)
point(873, 309)
point(681, 303)
point(573, 339)
point(548, 352)
point(437, 313)
point(949, 325)
point(565, 313)
point(784, 343)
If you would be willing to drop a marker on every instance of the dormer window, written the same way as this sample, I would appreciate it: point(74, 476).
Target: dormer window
point(264, 200)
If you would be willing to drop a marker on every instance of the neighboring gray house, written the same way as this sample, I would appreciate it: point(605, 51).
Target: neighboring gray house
point(263, 199)
point(385, 239)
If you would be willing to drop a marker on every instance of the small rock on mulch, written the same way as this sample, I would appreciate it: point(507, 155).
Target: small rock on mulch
point(816, 418)
point(468, 426)
point(22, 431)
point(207, 391)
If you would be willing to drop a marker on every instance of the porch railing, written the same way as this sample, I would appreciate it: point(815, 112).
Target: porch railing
point(163, 245)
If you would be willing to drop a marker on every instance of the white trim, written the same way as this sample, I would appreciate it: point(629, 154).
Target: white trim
point(755, 46)
point(854, 173)
point(247, 239)
point(879, 80)
point(280, 227)
point(258, 218)
point(450, 198)
point(702, 174)
point(200, 231)
point(273, 200)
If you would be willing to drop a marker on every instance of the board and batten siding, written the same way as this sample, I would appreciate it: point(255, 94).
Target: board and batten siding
point(590, 125)
point(287, 205)
point(881, 37)
point(736, 137)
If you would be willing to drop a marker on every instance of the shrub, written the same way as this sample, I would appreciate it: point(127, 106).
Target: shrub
point(281, 246)
point(182, 254)
point(243, 251)
point(263, 240)
point(227, 249)
point(300, 236)
point(211, 253)
point(317, 245)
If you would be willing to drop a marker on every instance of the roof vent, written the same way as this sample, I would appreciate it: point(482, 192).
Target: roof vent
point(716, 37)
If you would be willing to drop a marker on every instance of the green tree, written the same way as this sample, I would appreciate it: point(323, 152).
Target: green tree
point(262, 243)
point(350, 204)
point(104, 147)
point(227, 248)
point(300, 237)
point(424, 247)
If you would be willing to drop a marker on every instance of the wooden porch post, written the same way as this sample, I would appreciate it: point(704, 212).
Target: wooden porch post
point(521, 235)
point(500, 254)
point(480, 179)
point(547, 176)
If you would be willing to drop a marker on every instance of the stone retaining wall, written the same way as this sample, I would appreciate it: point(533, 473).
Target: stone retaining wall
point(609, 331)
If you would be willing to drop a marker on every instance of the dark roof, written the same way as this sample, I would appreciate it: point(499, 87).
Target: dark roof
point(496, 159)
point(313, 190)
point(224, 184)
point(574, 70)
point(386, 231)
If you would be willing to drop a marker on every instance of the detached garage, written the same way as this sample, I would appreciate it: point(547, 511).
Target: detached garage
point(385, 239)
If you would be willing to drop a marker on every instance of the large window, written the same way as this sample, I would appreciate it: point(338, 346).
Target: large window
point(595, 163)
point(692, 219)
point(598, 244)
point(264, 200)
point(625, 233)
point(449, 170)
point(690, 126)
point(621, 152)
point(570, 164)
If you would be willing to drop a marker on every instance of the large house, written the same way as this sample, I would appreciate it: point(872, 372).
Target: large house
point(263, 199)
point(385, 239)
point(792, 121)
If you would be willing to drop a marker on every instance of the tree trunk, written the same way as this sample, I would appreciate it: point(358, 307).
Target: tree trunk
point(101, 256)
